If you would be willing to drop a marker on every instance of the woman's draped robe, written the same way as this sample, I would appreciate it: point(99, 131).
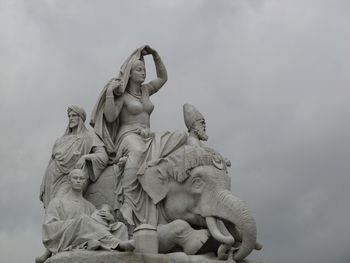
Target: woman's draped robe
point(132, 201)
point(134, 204)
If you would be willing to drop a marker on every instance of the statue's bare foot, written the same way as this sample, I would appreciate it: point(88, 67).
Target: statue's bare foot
point(128, 245)
point(43, 257)
point(194, 240)
point(93, 245)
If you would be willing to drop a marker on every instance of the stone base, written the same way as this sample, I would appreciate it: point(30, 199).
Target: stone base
point(84, 256)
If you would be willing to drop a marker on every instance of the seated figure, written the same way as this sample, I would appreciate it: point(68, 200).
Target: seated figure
point(72, 222)
point(121, 118)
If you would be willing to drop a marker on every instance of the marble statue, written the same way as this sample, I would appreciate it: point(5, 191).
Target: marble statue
point(190, 187)
point(121, 117)
point(196, 127)
point(73, 222)
point(168, 190)
point(78, 147)
point(192, 184)
point(195, 124)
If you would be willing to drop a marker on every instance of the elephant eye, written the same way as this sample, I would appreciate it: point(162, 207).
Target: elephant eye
point(197, 182)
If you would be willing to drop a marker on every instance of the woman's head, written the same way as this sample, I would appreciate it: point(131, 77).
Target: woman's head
point(138, 72)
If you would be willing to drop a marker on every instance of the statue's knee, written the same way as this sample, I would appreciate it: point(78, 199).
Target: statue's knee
point(180, 226)
point(134, 143)
point(134, 159)
point(137, 147)
point(122, 232)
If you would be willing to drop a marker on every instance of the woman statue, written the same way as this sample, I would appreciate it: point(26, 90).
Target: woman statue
point(121, 118)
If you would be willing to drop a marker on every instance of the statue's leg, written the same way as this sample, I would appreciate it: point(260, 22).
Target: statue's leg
point(93, 245)
point(180, 233)
point(138, 207)
point(131, 146)
point(131, 190)
point(120, 231)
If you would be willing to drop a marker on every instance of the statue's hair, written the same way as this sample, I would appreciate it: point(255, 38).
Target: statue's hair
point(77, 171)
point(78, 110)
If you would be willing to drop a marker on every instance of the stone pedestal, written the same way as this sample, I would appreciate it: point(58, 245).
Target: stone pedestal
point(83, 256)
point(107, 257)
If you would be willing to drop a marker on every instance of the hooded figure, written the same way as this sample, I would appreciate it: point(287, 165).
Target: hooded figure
point(77, 147)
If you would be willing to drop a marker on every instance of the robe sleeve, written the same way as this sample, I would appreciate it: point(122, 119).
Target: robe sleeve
point(99, 158)
point(99, 161)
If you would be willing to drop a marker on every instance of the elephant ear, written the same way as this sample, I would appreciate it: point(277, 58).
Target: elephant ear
point(155, 181)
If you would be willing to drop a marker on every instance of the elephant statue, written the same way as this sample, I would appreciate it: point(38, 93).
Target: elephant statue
point(191, 191)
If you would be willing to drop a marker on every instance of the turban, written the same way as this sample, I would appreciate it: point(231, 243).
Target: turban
point(78, 110)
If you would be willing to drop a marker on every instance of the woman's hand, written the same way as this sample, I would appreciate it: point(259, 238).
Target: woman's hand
point(114, 87)
point(145, 133)
point(162, 75)
point(147, 50)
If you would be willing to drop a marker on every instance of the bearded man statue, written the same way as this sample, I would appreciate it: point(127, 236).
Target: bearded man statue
point(77, 148)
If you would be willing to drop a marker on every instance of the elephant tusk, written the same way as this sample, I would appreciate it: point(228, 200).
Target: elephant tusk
point(215, 232)
point(258, 246)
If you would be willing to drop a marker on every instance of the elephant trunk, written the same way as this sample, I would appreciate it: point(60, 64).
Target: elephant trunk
point(235, 212)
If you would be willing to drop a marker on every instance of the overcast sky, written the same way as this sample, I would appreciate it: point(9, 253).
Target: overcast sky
point(271, 77)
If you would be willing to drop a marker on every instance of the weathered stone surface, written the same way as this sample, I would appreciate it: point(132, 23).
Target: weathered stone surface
point(81, 256)
point(107, 257)
point(84, 256)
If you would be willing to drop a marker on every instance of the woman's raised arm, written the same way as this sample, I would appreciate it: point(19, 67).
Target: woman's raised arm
point(162, 75)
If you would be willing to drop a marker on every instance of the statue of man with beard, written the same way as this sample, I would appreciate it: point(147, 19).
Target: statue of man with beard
point(195, 124)
point(196, 127)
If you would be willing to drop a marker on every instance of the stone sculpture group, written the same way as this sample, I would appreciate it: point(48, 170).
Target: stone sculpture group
point(125, 190)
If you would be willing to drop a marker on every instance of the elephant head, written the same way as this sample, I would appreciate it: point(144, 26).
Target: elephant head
point(192, 184)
